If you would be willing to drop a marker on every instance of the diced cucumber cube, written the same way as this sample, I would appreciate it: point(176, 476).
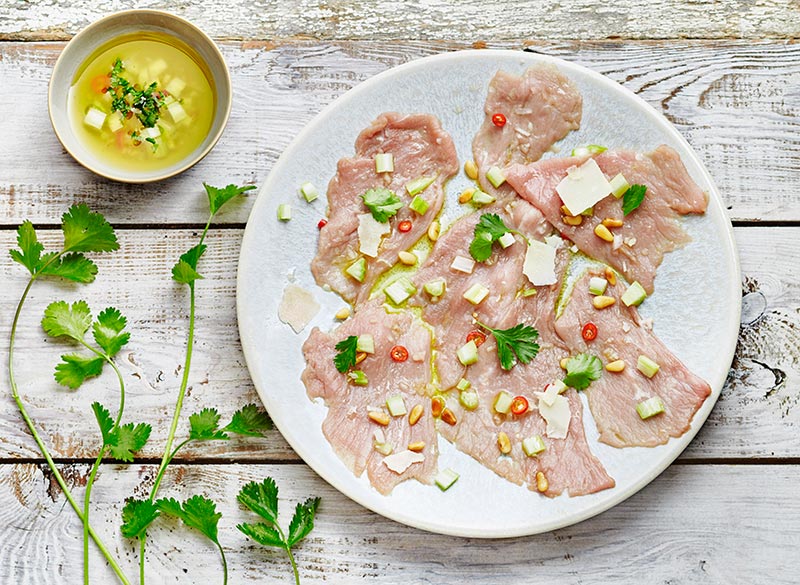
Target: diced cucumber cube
point(396, 405)
point(446, 478)
point(463, 264)
point(507, 239)
point(284, 212)
point(502, 402)
point(650, 407)
point(419, 205)
point(365, 343)
point(482, 198)
point(358, 378)
point(476, 293)
point(419, 185)
point(618, 186)
point(309, 191)
point(647, 366)
point(532, 446)
point(468, 353)
point(436, 287)
point(495, 177)
point(469, 399)
point(358, 269)
point(400, 290)
point(634, 295)
point(597, 285)
point(463, 384)
point(383, 448)
point(384, 162)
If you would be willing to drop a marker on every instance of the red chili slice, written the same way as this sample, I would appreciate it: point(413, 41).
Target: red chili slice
point(477, 336)
point(322, 223)
point(589, 331)
point(399, 353)
point(519, 405)
point(404, 226)
point(499, 120)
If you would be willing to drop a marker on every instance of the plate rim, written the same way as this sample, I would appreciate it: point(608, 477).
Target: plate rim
point(724, 225)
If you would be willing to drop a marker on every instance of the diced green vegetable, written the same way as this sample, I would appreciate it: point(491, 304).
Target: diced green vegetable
point(528, 292)
point(634, 295)
point(468, 353)
point(495, 177)
point(446, 478)
point(618, 186)
point(365, 343)
point(647, 366)
point(532, 446)
point(419, 205)
point(284, 212)
point(588, 212)
point(650, 407)
point(384, 162)
point(469, 399)
point(309, 191)
point(436, 287)
point(463, 264)
point(419, 185)
point(463, 384)
point(502, 402)
point(396, 405)
point(506, 240)
point(114, 122)
point(358, 378)
point(358, 269)
point(587, 150)
point(476, 293)
point(597, 285)
point(383, 448)
point(400, 290)
point(482, 198)
point(94, 118)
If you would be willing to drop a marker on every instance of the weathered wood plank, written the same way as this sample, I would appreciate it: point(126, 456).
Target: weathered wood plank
point(736, 102)
point(757, 417)
point(680, 529)
point(434, 19)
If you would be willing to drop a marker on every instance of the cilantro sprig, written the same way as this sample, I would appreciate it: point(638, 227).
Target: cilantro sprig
point(262, 498)
point(346, 356)
point(632, 198)
point(516, 344)
point(582, 370)
point(382, 203)
point(488, 230)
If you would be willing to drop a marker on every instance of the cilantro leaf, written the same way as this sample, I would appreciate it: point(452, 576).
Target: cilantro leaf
point(87, 231)
point(108, 331)
point(75, 369)
point(217, 197)
point(382, 203)
point(61, 320)
point(515, 344)
point(633, 198)
point(249, 421)
point(488, 230)
point(346, 357)
point(185, 270)
point(192, 255)
point(30, 249)
point(125, 440)
point(262, 533)
point(197, 512)
point(137, 515)
point(303, 521)
point(205, 426)
point(73, 266)
point(104, 420)
point(582, 370)
point(261, 498)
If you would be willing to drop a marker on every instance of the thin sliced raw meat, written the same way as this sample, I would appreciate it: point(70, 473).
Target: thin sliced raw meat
point(648, 232)
point(541, 107)
point(421, 148)
point(613, 398)
point(347, 426)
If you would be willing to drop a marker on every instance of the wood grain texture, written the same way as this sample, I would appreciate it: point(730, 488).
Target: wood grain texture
point(681, 529)
point(736, 102)
point(758, 415)
point(428, 19)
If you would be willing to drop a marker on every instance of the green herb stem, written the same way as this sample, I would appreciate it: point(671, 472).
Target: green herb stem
point(224, 564)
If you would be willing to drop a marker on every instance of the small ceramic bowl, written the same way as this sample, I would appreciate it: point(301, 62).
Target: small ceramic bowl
point(100, 33)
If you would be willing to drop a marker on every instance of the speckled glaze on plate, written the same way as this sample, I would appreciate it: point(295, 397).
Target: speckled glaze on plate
point(696, 305)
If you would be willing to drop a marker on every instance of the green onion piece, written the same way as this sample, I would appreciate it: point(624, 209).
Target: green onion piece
point(647, 366)
point(597, 285)
point(650, 407)
point(446, 478)
point(436, 287)
point(309, 191)
point(618, 186)
point(634, 295)
point(284, 212)
point(358, 269)
point(528, 292)
point(358, 378)
point(419, 185)
point(495, 177)
point(400, 290)
point(476, 293)
point(419, 205)
point(365, 343)
point(463, 384)
point(482, 198)
point(502, 402)
point(532, 446)
point(469, 399)
point(384, 162)
point(468, 353)
point(396, 405)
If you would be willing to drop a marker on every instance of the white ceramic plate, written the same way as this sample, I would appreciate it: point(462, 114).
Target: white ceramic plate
point(696, 305)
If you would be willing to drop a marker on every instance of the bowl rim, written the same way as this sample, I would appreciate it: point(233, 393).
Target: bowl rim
point(225, 81)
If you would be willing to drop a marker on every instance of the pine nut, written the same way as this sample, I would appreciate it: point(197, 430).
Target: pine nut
point(360, 357)
point(563, 363)
point(379, 417)
point(466, 195)
point(615, 366)
point(569, 220)
point(602, 301)
point(449, 417)
point(610, 222)
point(433, 231)
point(611, 276)
point(541, 482)
point(416, 447)
point(437, 406)
point(415, 414)
point(471, 169)
point(503, 443)
point(342, 313)
point(602, 232)
point(407, 258)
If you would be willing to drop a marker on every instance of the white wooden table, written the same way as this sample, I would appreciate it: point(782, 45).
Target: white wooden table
point(726, 73)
